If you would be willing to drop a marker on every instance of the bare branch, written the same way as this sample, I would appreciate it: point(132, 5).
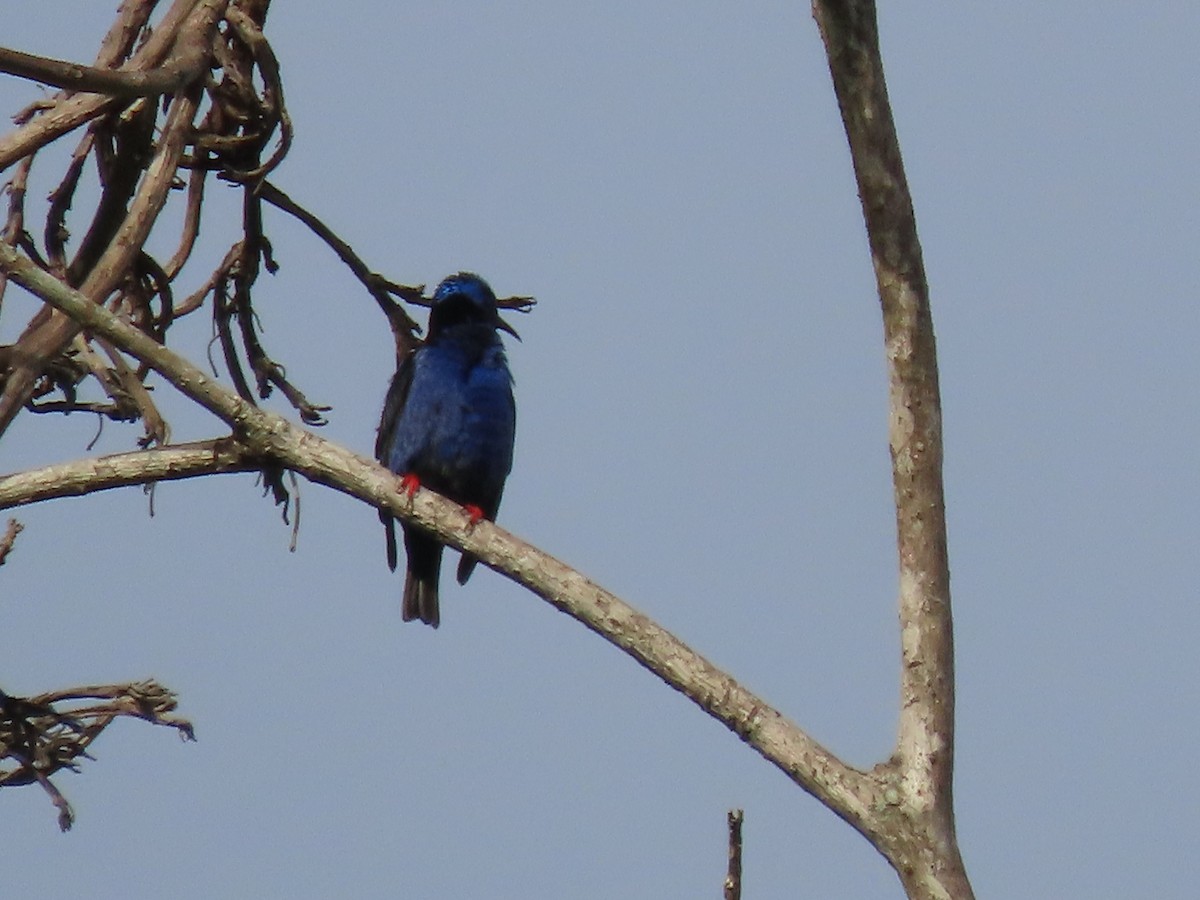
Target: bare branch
point(87, 476)
point(55, 237)
point(175, 73)
point(251, 34)
point(14, 224)
point(219, 276)
point(191, 224)
point(852, 794)
point(379, 287)
point(733, 880)
point(925, 853)
point(157, 430)
point(9, 538)
point(132, 16)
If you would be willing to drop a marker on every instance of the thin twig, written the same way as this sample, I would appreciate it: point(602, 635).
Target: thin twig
point(9, 538)
point(404, 329)
point(251, 34)
point(733, 878)
point(220, 275)
point(157, 430)
point(55, 234)
point(14, 223)
point(191, 225)
point(223, 312)
point(379, 287)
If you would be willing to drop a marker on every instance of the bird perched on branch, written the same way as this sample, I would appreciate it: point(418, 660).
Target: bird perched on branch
point(448, 425)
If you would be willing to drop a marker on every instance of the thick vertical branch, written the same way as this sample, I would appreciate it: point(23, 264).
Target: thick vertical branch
point(927, 858)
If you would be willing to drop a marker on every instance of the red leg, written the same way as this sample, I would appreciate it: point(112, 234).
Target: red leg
point(474, 515)
point(409, 484)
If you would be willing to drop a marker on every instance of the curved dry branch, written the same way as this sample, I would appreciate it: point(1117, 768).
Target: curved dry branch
point(252, 36)
point(403, 327)
point(852, 794)
point(174, 462)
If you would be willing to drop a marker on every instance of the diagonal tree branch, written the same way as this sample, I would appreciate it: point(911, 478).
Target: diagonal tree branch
point(87, 476)
point(852, 794)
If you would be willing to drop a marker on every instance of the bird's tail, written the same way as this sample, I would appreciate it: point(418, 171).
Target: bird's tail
point(389, 531)
point(466, 566)
point(421, 580)
point(421, 599)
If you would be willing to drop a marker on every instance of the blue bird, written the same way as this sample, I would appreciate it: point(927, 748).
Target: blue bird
point(448, 424)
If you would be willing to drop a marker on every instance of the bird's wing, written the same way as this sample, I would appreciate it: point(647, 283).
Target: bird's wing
point(393, 408)
point(492, 505)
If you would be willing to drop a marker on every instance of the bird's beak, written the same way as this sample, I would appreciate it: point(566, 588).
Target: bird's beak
point(504, 326)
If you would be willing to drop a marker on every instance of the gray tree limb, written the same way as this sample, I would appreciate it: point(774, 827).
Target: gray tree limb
point(925, 850)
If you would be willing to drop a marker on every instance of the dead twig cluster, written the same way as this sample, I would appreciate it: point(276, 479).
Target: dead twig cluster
point(42, 735)
point(163, 110)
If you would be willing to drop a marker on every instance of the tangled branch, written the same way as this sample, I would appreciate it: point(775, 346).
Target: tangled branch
point(42, 735)
point(222, 110)
point(222, 115)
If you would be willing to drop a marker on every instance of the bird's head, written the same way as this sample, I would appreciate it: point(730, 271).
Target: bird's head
point(464, 298)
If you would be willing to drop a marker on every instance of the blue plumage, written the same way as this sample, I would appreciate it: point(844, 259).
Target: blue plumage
point(448, 422)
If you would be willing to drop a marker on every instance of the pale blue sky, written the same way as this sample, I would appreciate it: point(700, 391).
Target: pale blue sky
point(701, 428)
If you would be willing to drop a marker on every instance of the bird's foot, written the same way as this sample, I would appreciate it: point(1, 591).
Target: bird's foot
point(474, 515)
point(409, 484)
